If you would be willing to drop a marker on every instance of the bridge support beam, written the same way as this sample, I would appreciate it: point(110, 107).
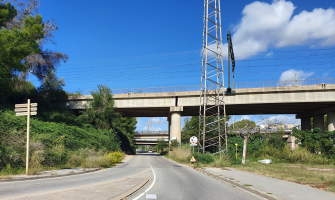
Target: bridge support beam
point(306, 123)
point(331, 121)
point(318, 121)
point(175, 121)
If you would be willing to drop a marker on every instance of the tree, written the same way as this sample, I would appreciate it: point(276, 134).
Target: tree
point(243, 124)
point(101, 113)
point(161, 144)
point(44, 61)
point(191, 128)
point(51, 93)
point(16, 42)
point(243, 128)
point(22, 36)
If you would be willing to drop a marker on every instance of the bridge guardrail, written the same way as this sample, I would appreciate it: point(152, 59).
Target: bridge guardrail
point(151, 132)
point(167, 89)
point(262, 84)
point(88, 92)
point(330, 80)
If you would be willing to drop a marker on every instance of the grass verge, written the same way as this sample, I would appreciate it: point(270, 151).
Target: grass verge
point(297, 166)
point(317, 176)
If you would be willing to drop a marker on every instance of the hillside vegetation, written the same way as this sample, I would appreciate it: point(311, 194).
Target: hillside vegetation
point(58, 137)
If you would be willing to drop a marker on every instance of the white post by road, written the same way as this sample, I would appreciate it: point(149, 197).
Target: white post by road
point(28, 126)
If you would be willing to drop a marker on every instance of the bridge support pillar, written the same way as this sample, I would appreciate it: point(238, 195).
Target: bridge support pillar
point(306, 123)
point(169, 127)
point(175, 121)
point(331, 121)
point(318, 121)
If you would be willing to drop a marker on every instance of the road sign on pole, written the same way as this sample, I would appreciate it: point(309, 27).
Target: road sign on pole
point(26, 110)
point(193, 140)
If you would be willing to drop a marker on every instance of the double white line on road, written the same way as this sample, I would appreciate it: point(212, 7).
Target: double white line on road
point(149, 188)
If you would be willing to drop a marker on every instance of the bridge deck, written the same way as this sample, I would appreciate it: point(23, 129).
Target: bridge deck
point(249, 101)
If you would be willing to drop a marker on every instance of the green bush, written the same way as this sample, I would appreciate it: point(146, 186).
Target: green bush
point(317, 141)
point(57, 141)
point(204, 158)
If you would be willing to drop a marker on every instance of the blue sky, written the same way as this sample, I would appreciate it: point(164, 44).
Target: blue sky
point(135, 44)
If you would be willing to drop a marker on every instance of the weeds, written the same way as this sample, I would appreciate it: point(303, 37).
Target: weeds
point(181, 154)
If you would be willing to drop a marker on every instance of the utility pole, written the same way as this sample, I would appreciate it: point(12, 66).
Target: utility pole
point(231, 57)
point(212, 80)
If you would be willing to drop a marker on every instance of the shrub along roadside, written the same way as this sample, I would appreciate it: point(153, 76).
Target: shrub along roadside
point(53, 145)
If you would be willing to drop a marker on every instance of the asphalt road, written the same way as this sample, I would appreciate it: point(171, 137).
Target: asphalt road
point(165, 180)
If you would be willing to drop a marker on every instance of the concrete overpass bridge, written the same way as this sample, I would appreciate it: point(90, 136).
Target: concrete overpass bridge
point(304, 101)
point(150, 137)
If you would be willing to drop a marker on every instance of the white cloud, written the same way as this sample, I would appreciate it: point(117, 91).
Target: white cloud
point(269, 54)
point(244, 117)
point(138, 122)
point(158, 120)
point(289, 76)
point(264, 25)
point(238, 118)
point(282, 119)
point(152, 128)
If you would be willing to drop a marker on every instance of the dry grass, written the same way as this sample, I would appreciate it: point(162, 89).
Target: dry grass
point(181, 154)
point(318, 176)
point(219, 162)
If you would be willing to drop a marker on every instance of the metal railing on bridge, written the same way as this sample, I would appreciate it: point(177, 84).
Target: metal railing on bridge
point(330, 80)
point(151, 132)
point(167, 89)
point(88, 92)
point(262, 84)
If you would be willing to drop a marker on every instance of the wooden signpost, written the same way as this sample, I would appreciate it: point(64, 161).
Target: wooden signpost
point(26, 109)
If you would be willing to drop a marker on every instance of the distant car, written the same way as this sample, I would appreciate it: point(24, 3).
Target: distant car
point(150, 151)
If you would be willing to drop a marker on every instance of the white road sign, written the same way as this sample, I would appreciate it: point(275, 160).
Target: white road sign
point(193, 140)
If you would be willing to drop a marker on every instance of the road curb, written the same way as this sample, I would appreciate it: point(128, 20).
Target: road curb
point(52, 176)
point(256, 192)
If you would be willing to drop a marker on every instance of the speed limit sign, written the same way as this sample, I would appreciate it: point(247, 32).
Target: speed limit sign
point(193, 140)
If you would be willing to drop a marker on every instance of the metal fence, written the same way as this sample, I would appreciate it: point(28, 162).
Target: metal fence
point(330, 80)
point(198, 87)
point(88, 92)
point(277, 83)
point(167, 89)
point(151, 132)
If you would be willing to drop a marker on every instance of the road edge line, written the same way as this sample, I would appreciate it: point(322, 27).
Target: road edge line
point(130, 192)
point(149, 188)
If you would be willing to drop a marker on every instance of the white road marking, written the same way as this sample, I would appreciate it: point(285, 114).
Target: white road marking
point(151, 196)
point(149, 188)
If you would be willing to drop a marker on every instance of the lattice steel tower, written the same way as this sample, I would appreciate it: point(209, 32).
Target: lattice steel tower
point(212, 107)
